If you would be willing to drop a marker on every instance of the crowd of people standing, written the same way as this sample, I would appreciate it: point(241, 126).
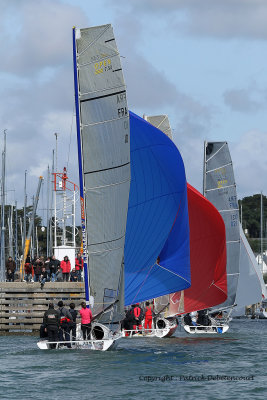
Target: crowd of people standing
point(39, 269)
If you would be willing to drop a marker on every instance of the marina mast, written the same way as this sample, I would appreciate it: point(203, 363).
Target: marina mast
point(2, 258)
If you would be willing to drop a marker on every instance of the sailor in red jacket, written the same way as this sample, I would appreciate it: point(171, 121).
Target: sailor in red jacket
point(66, 267)
point(148, 316)
point(138, 315)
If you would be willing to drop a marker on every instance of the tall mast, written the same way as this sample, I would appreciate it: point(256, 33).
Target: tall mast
point(10, 231)
point(261, 234)
point(31, 226)
point(3, 257)
point(33, 232)
point(79, 145)
point(47, 212)
point(24, 210)
point(16, 233)
point(204, 168)
point(51, 205)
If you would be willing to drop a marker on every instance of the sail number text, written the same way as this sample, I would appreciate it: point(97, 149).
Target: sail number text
point(103, 66)
point(234, 220)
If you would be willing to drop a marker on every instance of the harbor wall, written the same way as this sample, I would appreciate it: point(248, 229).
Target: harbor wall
point(22, 305)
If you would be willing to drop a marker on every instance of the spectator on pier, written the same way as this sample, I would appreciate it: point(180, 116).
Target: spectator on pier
point(37, 267)
point(47, 266)
point(74, 275)
point(73, 313)
point(79, 266)
point(44, 277)
point(86, 318)
point(65, 267)
point(65, 323)
point(51, 322)
point(10, 269)
point(54, 268)
point(28, 269)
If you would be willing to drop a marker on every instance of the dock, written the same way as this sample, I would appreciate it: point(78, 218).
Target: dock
point(22, 305)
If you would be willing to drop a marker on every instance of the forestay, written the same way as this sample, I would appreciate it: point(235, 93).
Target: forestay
point(220, 190)
point(104, 159)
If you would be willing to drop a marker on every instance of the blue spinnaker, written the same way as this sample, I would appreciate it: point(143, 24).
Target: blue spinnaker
point(157, 255)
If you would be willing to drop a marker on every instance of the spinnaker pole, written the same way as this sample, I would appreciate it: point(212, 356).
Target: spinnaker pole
point(79, 145)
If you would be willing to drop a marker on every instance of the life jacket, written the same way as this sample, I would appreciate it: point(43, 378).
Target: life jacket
point(63, 318)
point(137, 312)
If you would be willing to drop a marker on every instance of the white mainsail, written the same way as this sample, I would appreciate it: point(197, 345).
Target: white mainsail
point(251, 287)
point(105, 160)
point(220, 189)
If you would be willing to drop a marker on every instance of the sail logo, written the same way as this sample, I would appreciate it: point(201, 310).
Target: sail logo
point(103, 66)
point(221, 183)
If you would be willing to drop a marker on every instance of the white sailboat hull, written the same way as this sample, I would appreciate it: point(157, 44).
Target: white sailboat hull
point(164, 328)
point(201, 329)
point(261, 314)
point(100, 345)
point(101, 338)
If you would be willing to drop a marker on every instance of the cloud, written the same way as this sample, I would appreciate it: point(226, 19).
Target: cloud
point(36, 93)
point(36, 35)
point(224, 19)
point(250, 163)
point(245, 100)
point(148, 87)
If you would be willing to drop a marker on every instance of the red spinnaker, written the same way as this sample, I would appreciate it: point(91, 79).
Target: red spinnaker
point(207, 257)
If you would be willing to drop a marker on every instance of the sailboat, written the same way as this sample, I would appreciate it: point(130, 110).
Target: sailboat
point(251, 288)
point(220, 189)
point(157, 256)
point(207, 254)
point(103, 140)
point(245, 281)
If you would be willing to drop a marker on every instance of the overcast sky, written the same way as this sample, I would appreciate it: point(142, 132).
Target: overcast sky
point(201, 62)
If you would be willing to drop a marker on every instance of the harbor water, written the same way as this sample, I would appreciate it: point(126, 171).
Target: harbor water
point(229, 366)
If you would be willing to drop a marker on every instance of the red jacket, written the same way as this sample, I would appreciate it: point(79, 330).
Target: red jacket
point(65, 266)
point(78, 264)
point(148, 314)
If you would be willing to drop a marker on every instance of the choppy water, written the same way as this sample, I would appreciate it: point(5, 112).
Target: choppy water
point(183, 366)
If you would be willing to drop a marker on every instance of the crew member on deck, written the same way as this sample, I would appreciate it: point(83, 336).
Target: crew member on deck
point(148, 316)
point(51, 324)
point(86, 318)
point(138, 315)
point(65, 323)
